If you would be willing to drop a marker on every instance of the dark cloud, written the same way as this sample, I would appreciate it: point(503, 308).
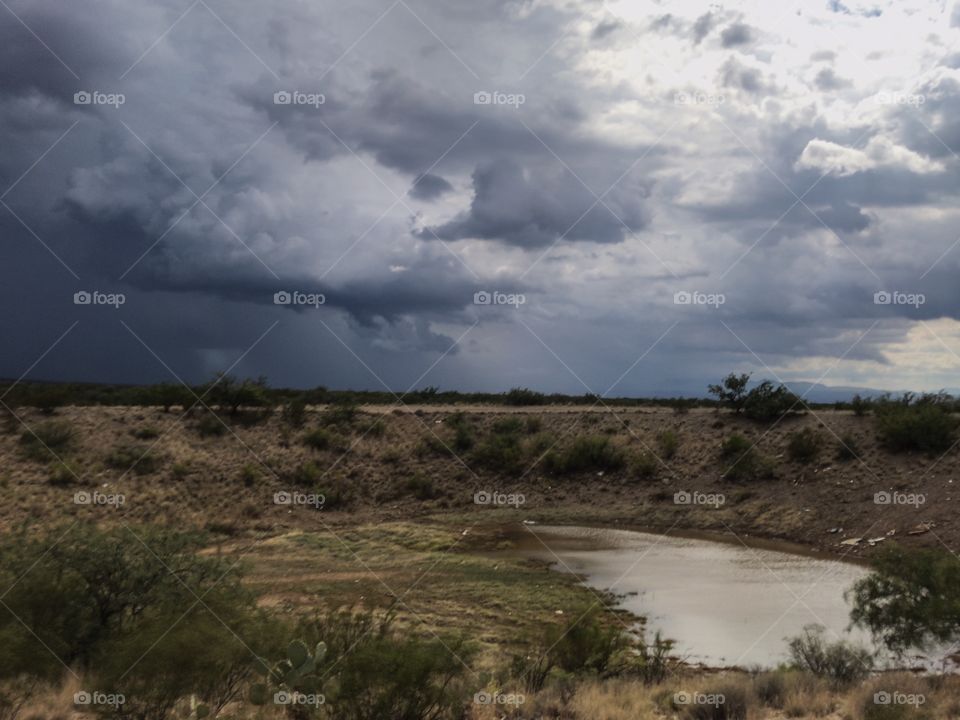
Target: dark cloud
point(605, 28)
point(531, 209)
point(736, 34)
point(702, 27)
point(429, 187)
point(828, 80)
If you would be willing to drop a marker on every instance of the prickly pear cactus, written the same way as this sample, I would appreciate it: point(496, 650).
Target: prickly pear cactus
point(295, 675)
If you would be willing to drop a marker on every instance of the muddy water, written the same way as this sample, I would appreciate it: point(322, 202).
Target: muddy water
point(723, 603)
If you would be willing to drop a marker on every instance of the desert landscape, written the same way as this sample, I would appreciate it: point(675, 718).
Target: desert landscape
point(436, 523)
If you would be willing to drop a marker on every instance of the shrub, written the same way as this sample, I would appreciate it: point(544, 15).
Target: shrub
point(735, 705)
point(646, 465)
point(508, 426)
point(771, 689)
point(46, 440)
point(342, 414)
point(732, 392)
point(62, 476)
point(500, 452)
point(533, 424)
point(838, 661)
point(904, 601)
point(422, 487)
point(306, 474)
point(847, 448)
point(591, 452)
point(249, 474)
point(766, 402)
point(668, 442)
point(860, 406)
point(145, 433)
point(523, 396)
point(209, 425)
point(804, 445)
point(90, 595)
point(743, 462)
point(294, 412)
point(136, 458)
point(318, 439)
point(924, 426)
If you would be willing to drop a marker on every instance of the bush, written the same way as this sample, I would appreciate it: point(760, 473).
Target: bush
point(668, 442)
point(523, 397)
point(924, 426)
point(743, 462)
point(771, 689)
point(909, 600)
point(145, 433)
point(838, 661)
point(847, 448)
point(766, 402)
point(500, 452)
point(732, 392)
point(306, 475)
point(136, 458)
point(508, 426)
point(62, 476)
point(735, 705)
point(318, 439)
point(294, 412)
point(47, 440)
point(646, 465)
point(341, 414)
point(860, 406)
point(591, 452)
point(422, 488)
point(209, 425)
point(804, 446)
point(87, 594)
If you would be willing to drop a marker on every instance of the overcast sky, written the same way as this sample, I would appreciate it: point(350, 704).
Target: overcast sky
point(630, 198)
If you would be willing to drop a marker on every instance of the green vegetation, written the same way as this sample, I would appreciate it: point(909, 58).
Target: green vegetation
point(668, 442)
point(47, 440)
point(911, 599)
point(136, 458)
point(924, 424)
point(804, 446)
point(742, 460)
point(732, 392)
point(585, 453)
point(838, 661)
point(847, 448)
point(767, 402)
